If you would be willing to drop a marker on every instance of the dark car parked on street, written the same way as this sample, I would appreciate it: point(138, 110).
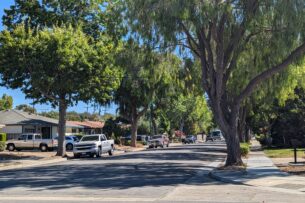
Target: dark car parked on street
point(190, 139)
point(215, 135)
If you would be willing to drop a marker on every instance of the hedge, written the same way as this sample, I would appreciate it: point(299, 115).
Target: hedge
point(244, 149)
point(2, 146)
point(2, 137)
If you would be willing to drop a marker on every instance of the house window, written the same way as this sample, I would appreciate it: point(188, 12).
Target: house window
point(29, 130)
point(73, 130)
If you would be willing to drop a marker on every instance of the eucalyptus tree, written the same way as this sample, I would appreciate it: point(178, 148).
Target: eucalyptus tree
point(147, 75)
point(60, 66)
point(218, 33)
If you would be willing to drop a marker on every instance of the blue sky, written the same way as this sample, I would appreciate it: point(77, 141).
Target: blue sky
point(19, 97)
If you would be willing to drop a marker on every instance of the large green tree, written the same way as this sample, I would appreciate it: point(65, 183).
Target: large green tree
point(60, 66)
point(147, 75)
point(218, 33)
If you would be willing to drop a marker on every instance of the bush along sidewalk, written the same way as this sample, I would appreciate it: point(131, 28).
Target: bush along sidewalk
point(2, 141)
point(244, 148)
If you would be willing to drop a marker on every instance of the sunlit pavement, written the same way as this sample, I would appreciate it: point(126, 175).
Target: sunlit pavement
point(174, 174)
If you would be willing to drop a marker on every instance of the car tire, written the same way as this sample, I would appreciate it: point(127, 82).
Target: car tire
point(91, 155)
point(43, 148)
point(167, 145)
point(110, 152)
point(69, 147)
point(99, 153)
point(11, 147)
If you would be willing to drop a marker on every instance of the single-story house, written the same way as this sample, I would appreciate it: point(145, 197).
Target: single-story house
point(89, 127)
point(17, 122)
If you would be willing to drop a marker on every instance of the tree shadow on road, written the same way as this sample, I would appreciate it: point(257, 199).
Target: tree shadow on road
point(157, 168)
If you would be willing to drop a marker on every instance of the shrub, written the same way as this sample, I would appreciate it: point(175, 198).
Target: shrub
point(244, 148)
point(128, 142)
point(2, 146)
point(2, 137)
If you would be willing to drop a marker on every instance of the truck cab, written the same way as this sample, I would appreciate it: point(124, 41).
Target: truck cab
point(93, 145)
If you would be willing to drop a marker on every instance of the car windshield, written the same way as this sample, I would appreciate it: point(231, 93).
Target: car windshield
point(90, 138)
point(157, 137)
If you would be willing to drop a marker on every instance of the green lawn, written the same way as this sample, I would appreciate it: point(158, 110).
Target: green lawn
point(283, 153)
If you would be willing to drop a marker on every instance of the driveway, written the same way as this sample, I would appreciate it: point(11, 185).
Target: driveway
point(178, 173)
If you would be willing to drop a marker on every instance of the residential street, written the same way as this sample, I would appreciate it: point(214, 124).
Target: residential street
point(177, 173)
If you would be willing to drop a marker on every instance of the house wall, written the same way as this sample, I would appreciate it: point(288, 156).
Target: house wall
point(12, 132)
point(54, 131)
point(73, 130)
point(11, 129)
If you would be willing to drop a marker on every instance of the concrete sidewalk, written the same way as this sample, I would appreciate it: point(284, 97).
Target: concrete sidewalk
point(261, 172)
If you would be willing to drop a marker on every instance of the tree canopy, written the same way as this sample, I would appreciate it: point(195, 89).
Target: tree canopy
point(60, 66)
point(26, 108)
point(228, 37)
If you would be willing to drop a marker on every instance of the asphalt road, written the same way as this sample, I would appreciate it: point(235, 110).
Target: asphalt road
point(174, 174)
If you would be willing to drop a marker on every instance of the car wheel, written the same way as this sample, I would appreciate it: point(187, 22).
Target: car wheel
point(156, 146)
point(43, 148)
point(91, 155)
point(11, 147)
point(110, 152)
point(99, 153)
point(167, 145)
point(69, 147)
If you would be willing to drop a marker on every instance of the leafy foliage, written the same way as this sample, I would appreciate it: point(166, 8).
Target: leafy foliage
point(26, 108)
point(240, 44)
point(94, 16)
point(6, 102)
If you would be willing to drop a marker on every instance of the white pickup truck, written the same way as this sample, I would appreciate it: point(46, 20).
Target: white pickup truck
point(31, 141)
point(93, 145)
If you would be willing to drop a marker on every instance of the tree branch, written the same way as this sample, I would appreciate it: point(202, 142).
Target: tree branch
point(298, 52)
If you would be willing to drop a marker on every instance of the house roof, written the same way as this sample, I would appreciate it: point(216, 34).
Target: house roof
point(17, 117)
point(88, 124)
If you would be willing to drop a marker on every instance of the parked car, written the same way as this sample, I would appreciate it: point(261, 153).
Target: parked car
point(215, 135)
point(70, 141)
point(31, 141)
point(190, 139)
point(158, 141)
point(93, 145)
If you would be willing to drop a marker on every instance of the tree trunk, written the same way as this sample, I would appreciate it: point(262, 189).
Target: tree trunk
point(233, 148)
point(248, 133)
point(230, 130)
point(134, 132)
point(155, 129)
point(61, 151)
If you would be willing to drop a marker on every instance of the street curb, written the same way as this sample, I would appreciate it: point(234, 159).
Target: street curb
point(34, 164)
point(226, 180)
